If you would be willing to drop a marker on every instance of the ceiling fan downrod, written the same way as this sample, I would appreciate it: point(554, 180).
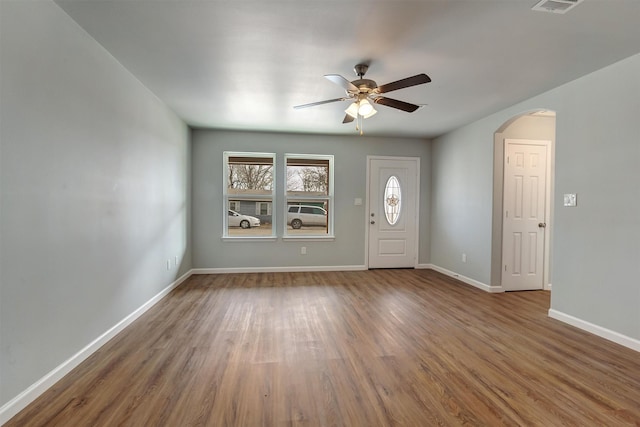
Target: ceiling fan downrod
point(361, 70)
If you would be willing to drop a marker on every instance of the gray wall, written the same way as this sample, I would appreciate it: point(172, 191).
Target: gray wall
point(596, 245)
point(350, 152)
point(461, 202)
point(94, 178)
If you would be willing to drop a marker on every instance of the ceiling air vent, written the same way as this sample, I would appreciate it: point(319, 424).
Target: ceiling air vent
point(556, 6)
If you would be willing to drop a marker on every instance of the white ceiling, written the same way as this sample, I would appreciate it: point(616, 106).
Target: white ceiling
point(243, 64)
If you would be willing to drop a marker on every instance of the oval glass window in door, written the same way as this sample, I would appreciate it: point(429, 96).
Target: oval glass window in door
point(392, 200)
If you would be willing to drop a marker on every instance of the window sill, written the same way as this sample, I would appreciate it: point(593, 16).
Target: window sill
point(309, 238)
point(249, 238)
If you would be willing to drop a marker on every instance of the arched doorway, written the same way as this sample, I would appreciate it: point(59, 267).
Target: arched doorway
point(534, 125)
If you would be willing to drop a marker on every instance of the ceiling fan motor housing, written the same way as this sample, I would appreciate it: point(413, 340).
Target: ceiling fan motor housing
point(364, 85)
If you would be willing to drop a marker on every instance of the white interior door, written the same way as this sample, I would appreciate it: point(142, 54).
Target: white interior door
point(393, 212)
point(524, 214)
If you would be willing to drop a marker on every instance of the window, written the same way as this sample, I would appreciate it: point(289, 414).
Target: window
point(248, 193)
point(309, 195)
point(392, 200)
point(263, 208)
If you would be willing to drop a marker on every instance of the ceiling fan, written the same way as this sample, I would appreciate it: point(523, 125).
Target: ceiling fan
point(364, 93)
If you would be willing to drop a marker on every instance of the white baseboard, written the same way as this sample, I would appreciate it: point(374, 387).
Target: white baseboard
point(605, 333)
point(277, 269)
point(18, 403)
point(467, 280)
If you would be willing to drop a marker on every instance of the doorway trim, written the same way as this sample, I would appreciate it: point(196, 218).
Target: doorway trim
point(498, 195)
point(368, 205)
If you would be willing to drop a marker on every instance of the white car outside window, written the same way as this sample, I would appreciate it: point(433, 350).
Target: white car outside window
point(299, 215)
point(243, 221)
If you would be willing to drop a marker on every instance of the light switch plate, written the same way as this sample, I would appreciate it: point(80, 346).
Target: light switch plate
point(357, 201)
point(570, 200)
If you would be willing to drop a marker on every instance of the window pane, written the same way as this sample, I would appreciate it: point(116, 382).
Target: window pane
point(243, 220)
point(307, 217)
point(307, 176)
point(392, 200)
point(250, 175)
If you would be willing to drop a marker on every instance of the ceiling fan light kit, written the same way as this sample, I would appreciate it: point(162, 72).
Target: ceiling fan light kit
point(365, 92)
point(352, 111)
point(365, 109)
point(361, 108)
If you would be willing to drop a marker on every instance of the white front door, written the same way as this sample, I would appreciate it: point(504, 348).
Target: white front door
point(524, 214)
point(393, 211)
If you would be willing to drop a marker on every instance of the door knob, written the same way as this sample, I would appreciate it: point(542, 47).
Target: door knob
point(373, 222)
point(542, 225)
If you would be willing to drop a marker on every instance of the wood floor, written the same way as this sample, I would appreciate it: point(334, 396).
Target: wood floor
point(366, 348)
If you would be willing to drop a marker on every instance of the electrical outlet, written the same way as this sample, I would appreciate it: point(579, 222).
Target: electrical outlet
point(176, 261)
point(303, 250)
point(464, 257)
point(168, 264)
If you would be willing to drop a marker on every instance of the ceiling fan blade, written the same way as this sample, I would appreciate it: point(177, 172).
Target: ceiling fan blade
point(342, 82)
point(401, 84)
point(394, 103)
point(348, 118)
point(313, 104)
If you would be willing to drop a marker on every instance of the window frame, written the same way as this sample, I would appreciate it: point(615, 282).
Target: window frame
point(265, 198)
point(305, 198)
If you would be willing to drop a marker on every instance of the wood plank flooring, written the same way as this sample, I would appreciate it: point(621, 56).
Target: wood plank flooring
point(365, 348)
